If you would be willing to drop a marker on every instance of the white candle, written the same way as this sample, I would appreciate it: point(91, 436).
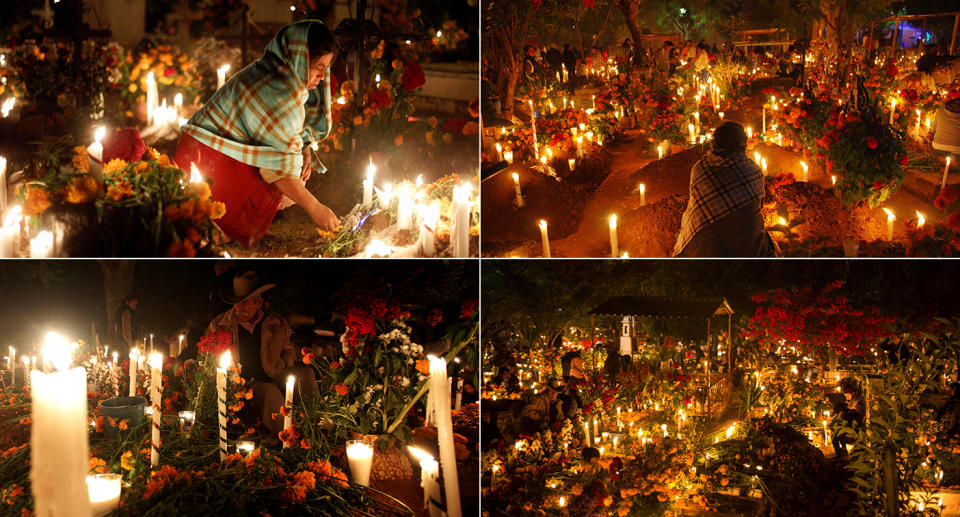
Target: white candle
point(26, 370)
point(533, 124)
point(920, 219)
point(59, 457)
point(13, 365)
point(288, 403)
point(893, 109)
point(499, 152)
point(890, 219)
point(544, 240)
point(946, 169)
point(428, 227)
point(95, 150)
point(180, 345)
point(156, 393)
point(516, 189)
point(571, 162)
point(41, 246)
point(368, 184)
point(438, 384)
point(643, 202)
point(721, 115)
point(222, 75)
point(614, 246)
point(429, 475)
point(764, 114)
point(806, 171)
point(178, 103)
point(918, 124)
point(508, 157)
point(134, 354)
point(360, 458)
point(3, 184)
point(692, 134)
point(405, 207)
point(152, 97)
point(659, 153)
point(456, 403)
point(104, 493)
point(460, 232)
point(225, 360)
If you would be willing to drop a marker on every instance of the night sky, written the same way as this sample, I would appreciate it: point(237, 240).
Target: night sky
point(67, 295)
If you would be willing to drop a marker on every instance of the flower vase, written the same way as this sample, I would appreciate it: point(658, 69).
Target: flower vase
point(390, 466)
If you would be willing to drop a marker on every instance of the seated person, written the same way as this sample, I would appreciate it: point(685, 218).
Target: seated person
point(852, 412)
point(722, 218)
point(542, 410)
point(263, 350)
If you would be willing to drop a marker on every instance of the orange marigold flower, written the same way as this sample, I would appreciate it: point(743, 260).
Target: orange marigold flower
point(341, 389)
point(81, 189)
point(305, 478)
point(217, 210)
point(38, 201)
point(305, 444)
point(307, 359)
point(114, 165)
point(98, 466)
point(80, 160)
point(296, 493)
point(25, 420)
point(423, 366)
point(122, 425)
point(120, 190)
point(10, 494)
point(200, 189)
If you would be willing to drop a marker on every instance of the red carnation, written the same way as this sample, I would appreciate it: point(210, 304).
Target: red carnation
point(903, 160)
point(871, 142)
point(378, 99)
point(454, 125)
point(216, 342)
point(125, 144)
point(341, 389)
point(412, 77)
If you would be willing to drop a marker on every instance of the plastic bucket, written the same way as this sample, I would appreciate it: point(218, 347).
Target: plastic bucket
point(122, 408)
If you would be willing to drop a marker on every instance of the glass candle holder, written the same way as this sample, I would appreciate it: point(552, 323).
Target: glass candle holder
point(245, 447)
point(104, 493)
point(186, 420)
point(360, 457)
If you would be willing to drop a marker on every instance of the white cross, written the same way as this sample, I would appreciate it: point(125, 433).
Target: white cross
point(46, 14)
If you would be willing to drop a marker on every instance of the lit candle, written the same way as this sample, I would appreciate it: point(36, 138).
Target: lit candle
point(225, 360)
point(533, 124)
point(26, 370)
point(499, 151)
point(405, 215)
point(59, 457)
point(178, 103)
point(222, 75)
point(805, 171)
point(152, 98)
point(721, 115)
point(180, 345)
point(508, 156)
point(516, 189)
point(920, 219)
point(3, 184)
point(544, 240)
point(749, 132)
point(893, 109)
point(833, 180)
point(368, 184)
point(614, 246)
point(571, 162)
point(764, 114)
point(428, 225)
point(134, 353)
point(12, 363)
point(104, 493)
point(763, 165)
point(360, 458)
point(918, 124)
point(288, 403)
point(946, 169)
point(429, 475)
point(460, 231)
point(890, 219)
point(156, 391)
point(95, 150)
point(438, 384)
point(586, 432)
point(41, 246)
point(643, 202)
point(692, 134)
point(245, 446)
point(659, 153)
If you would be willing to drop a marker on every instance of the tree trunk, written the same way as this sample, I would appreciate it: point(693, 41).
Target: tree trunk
point(891, 501)
point(117, 283)
point(631, 13)
point(509, 71)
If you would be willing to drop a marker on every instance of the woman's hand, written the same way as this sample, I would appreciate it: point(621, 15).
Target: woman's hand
point(307, 166)
point(322, 216)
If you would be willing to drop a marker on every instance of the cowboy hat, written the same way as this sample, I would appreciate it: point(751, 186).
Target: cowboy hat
point(246, 285)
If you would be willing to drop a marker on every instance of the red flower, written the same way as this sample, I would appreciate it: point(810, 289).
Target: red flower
point(216, 342)
point(871, 142)
point(953, 221)
point(341, 389)
point(412, 77)
point(454, 125)
point(125, 144)
point(903, 160)
point(947, 197)
point(378, 99)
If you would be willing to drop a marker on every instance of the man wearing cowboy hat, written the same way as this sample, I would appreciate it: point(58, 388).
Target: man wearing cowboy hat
point(263, 349)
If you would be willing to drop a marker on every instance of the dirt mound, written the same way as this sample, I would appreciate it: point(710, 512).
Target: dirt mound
point(651, 231)
point(824, 217)
point(666, 177)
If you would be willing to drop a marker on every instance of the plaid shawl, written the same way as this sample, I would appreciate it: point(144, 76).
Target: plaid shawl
point(264, 115)
point(720, 183)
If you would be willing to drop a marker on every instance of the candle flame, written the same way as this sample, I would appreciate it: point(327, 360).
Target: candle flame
point(156, 360)
point(290, 381)
point(542, 224)
point(499, 147)
point(14, 214)
point(804, 165)
point(178, 99)
point(920, 219)
point(833, 180)
point(419, 181)
point(195, 176)
point(890, 215)
point(421, 454)
point(643, 188)
point(224, 69)
point(99, 133)
point(516, 177)
point(225, 359)
point(613, 221)
point(371, 170)
point(781, 221)
point(56, 351)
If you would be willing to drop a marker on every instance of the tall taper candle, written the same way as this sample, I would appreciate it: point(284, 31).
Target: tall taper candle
point(156, 393)
point(946, 169)
point(368, 184)
point(533, 124)
point(134, 354)
point(225, 360)
point(460, 233)
point(288, 403)
point(448, 460)
point(614, 245)
point(59, 456)
point(544, 239)
point(516, 189)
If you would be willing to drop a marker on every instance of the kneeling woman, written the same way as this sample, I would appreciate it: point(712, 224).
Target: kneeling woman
point(252, 137)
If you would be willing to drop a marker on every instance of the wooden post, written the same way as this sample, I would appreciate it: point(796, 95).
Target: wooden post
point(953, 40)
point(729, 344)
point(709, 352)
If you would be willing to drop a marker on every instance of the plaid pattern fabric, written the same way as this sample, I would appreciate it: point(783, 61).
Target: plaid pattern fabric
point(720, 183)
point(264, 115)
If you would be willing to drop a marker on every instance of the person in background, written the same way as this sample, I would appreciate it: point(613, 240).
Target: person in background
point(532, 69)
point(542, 410)
point(126, 330)
point(851, 412)
point(263, 350)
point(554, 58)
point(722, 218)
point(432, 336)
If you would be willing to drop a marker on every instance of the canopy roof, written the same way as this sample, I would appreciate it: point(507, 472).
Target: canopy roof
point(664, 307)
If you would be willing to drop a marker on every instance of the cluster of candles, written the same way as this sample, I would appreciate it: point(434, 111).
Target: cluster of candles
point(413, 211)
point(16, 226)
